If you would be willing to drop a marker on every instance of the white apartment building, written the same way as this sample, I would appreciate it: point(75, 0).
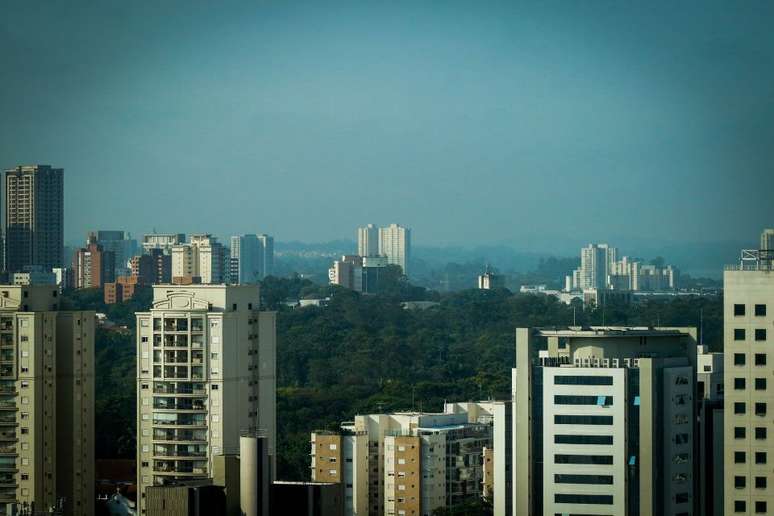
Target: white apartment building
point(767, 240)
point(601, 270)
point(748, 333)
point(163, 241)
point(368, 240)
point(206, 371)
point(203, 257)
point(603, 421)
point(395, 244)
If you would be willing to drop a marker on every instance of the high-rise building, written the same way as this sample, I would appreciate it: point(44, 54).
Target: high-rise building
point(748, 317)
point(246, 260)
point(34, 217)
point(767, 240)
point(46, 404)
point(709, 403)
point(203, 257)
point(368, 240)
point(121, 245)
point(206, 372)
point(604, 421)
point(395, 244)
point(266, 261)
point(406, 462)
point(163, 241)
point(93, 266)
point(490, 281)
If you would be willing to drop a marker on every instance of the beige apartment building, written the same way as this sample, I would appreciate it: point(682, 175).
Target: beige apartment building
point(406, 463)
point(603, 421)
point(748, 314)
point(46, 403)
point(205, 373)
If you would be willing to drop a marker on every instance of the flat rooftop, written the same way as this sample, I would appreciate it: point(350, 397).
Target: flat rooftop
point(608, 331)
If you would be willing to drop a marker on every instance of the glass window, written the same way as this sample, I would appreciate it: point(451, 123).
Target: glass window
point(583, 420)
point(760, 310)
point(739, 432)
point(739, 334)
point(738, 309)
point(760, 457)
point(583, 439)
point(740, 506)
point(760, 359)
point(594, 499)
point(739, 482)
point(760, 432)
point(739, 384)
point(583, 380)
point(739, 359)
point(740, 457)
point(760, 482)
point(760, 507)
point(760, 384)
point(760, 334)
point(760, 409)
point(739, 407)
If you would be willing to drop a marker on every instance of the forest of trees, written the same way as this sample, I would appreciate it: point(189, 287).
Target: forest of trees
point(362, 354)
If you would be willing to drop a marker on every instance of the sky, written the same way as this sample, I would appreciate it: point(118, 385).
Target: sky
point(470, 122)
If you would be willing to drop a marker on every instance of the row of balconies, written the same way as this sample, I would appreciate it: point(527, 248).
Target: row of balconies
point(178, 324)
point(179, 419)
point(179, 435)
point(179, 404)
point(179, 388)
point(170, 466)
point(182, 451)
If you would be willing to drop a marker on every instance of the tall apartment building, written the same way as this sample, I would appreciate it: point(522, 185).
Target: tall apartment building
point(93, 267)
point(46, 404)
point(709, 403)
point(604, 421)
point(121, 245)
point(748, 316)
point(34, 217)
point(601, 270)
point(404, 463)
point(252, 258)
point(162, 241)
point(596, 262)
point(203, 257)
point(206, 361)
point(368, 240)
point(395, 244)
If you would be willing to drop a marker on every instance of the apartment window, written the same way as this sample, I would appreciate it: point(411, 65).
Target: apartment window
point(739, 407)
point(740, 506)
point(144, 339)
point(584, 498)
point(760, 482)
point(739, 334)
point(739, 384)
point(760, 334)
point(234, 307)
point(760, 384)
point(583, 439)
point(738, 310)
point(760, 432)
point(584, 479)
point(760, 457)
point(583, 380)
point(760, 310)
point(562, 399)
point(760, 359)
point(583, 459)
point(583, 420)
point(760, 507)
point(739, 359)
point(739, 432)
point(740, 457)
point(739, 482)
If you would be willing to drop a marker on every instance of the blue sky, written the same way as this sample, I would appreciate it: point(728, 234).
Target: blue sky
point(471, 122)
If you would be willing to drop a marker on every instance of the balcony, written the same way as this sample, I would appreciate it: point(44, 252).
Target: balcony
point(7, 371)
point(182, 436)
point(8, 449)
point(176, 419)
point(8, 405)
point(7, 436)
point(179, 388)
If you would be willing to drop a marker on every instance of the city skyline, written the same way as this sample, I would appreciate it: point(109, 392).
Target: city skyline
point(445, 120)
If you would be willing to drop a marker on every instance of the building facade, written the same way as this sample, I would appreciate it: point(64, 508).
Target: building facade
point(368, 240)
point(603, 421)
point(34, 217)
point(395, 244)
point(748, 316)
point(162, 241)
point(46, 403)
point(252, 259)
point(93, 267)
point(206, 360)
point(203, 257)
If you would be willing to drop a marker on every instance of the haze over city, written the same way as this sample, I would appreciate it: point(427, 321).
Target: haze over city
point(538, 126)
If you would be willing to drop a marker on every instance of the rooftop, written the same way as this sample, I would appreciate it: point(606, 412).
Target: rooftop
point(608, 331)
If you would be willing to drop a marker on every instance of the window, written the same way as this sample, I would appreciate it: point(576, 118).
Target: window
point(760, 432)
point(740, 482)
point(583, 439)
point(740, 506)
point(583, 380)
point(681, 438)
point(760, 384)
point(740, 457)
point(739, 384)
point(760, 359)
point(739, 359)
point(760, 482)
point(760, 457)
point(561, 399)
point(760, 507)
point(583, 420)
point(760, 310)
point(760, 409)
point(738, 310)
point(739, 334)
point(760, 334)
point(739, 432)
point(583, 459)
point(739, 407)
point(234, 307)
point(584, 498)
point(584, 479)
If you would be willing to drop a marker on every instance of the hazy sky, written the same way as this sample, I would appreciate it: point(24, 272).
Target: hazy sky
point(468, 121)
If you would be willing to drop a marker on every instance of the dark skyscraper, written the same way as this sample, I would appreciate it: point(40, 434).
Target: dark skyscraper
point(34, 217)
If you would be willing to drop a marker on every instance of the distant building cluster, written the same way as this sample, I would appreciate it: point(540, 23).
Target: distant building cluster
point(376, 249)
